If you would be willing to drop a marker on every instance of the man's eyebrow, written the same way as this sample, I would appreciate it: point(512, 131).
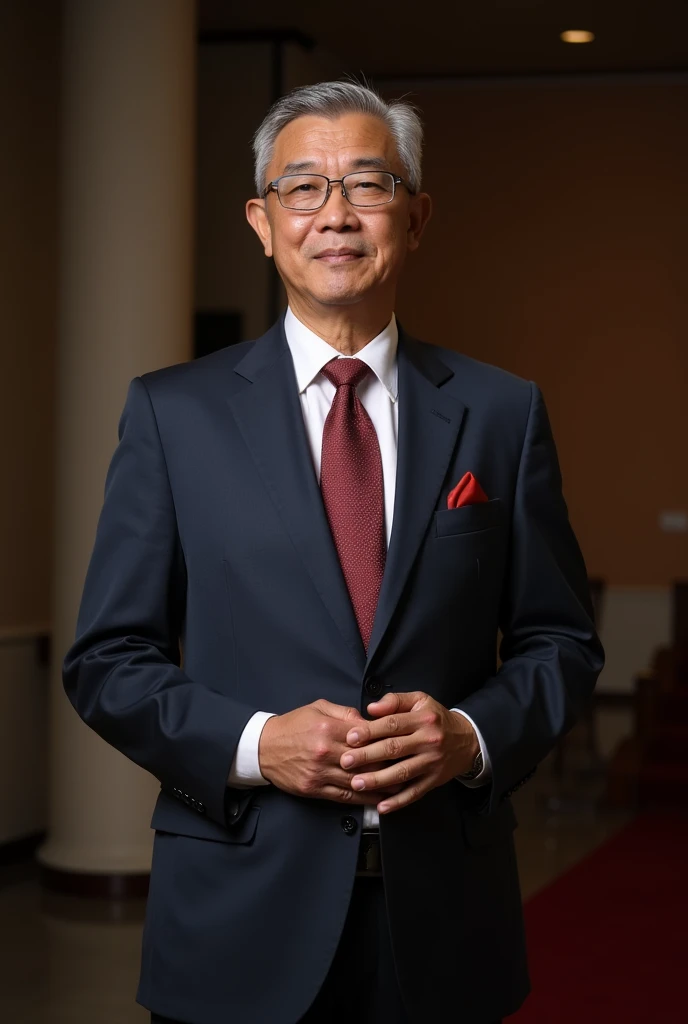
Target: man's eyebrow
point(297, 166)
point(361, 162)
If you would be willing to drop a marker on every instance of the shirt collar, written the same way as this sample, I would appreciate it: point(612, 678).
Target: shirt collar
point(310, 353)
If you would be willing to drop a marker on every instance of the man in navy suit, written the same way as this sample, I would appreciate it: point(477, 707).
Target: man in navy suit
point(307, 547)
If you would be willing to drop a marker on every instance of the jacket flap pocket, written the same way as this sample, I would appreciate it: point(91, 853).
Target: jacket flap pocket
point(170, 815)
point(484, 829)
point(469, 518)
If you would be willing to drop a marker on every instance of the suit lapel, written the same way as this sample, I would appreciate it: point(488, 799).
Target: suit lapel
point(269, 417)
point(270, 420)
point(429, 424)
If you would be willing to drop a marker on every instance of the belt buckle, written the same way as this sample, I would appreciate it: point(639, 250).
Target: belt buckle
point(369, 858)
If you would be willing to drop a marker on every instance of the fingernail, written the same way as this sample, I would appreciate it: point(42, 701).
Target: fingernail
point(348, 760)
point(353, 737)
point(382, 808)
point(358, 783)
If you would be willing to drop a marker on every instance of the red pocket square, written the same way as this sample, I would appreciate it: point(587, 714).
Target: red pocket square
point(467, 492)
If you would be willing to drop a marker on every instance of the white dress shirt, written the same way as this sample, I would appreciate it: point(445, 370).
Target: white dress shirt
point(379, 395)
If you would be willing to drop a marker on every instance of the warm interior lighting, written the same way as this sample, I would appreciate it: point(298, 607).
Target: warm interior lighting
point(577, 35)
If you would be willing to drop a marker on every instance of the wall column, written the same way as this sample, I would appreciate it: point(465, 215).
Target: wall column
point(126, 283)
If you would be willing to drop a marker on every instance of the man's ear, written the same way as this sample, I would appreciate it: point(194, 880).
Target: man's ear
point(420, 211)
point(257, 216)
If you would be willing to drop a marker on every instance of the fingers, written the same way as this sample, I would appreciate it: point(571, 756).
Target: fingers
point(349, 796)
point(395, 775)
point(396, 723)
point(341, 779)
point(365, 758)
point(407, 795)
point(339, 711)
point(393, 703)
point(383, 790)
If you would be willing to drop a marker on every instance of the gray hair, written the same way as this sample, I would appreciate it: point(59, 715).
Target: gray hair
point(332, 100)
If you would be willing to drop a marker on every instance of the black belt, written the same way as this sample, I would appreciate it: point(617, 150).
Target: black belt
point(369, 858)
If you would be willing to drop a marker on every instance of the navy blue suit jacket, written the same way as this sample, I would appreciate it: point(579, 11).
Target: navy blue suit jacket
point(214, 591)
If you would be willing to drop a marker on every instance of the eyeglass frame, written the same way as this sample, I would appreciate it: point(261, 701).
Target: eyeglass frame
point(396, 180)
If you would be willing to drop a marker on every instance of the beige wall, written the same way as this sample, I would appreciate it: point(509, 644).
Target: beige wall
point(558, 251)
point(234, 94)
point(29, 110)
point(29, 80)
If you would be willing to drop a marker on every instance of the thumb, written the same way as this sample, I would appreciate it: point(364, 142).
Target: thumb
point(340, 711)
point(392, 703)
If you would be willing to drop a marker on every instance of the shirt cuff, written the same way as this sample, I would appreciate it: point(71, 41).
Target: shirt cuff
point(245, 770)
point(486, 774)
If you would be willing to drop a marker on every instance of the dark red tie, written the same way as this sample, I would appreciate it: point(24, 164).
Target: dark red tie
point(352, 489)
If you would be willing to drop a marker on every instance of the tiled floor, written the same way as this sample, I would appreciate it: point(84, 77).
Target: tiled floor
point(66, 961)
point(559, 824)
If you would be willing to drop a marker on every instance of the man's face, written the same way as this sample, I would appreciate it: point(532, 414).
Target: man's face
point(340, 254)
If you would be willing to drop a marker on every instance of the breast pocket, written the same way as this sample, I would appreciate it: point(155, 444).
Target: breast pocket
point(484, 515)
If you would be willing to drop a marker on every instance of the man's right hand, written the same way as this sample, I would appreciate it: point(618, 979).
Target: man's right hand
point(300, 752)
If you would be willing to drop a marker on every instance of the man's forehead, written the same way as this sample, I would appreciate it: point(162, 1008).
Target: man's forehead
point(358, 139)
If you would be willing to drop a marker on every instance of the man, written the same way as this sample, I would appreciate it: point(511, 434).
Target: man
point(334, 521)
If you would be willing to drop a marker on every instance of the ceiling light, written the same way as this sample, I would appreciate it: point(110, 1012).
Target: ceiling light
point(577, 35)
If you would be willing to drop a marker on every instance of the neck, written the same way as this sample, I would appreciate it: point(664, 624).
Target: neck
point(348, 328)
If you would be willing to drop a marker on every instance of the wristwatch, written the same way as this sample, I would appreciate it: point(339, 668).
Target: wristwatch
point(476, 769)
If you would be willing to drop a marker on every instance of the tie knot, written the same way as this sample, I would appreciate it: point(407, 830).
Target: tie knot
point(345, 371)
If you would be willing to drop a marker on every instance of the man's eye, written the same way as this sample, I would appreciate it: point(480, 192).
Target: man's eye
point(304, 186)
point(368, 186)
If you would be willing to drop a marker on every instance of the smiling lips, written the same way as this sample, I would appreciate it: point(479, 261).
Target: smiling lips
point(339, 255)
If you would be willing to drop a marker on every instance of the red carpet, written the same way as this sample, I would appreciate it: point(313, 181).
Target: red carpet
point(608, 941)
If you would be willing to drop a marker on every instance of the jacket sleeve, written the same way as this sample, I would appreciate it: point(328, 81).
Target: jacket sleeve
point(122, 673)
point(551, 655)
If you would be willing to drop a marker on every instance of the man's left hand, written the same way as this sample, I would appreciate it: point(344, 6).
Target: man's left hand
point(435, 744)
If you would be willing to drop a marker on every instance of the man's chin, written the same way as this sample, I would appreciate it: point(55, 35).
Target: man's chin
point(340, 299)
point(342, 296)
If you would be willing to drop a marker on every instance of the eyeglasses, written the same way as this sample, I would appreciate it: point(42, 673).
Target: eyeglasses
point(308, 192)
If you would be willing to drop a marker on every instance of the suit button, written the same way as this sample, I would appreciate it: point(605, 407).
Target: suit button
point(349, 824)
point(234, 809)
point(200, 807)
point(373, 687)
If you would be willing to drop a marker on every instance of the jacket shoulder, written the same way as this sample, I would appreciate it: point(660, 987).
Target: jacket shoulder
point(198, 376)
point(221, 360)
point(474, 380)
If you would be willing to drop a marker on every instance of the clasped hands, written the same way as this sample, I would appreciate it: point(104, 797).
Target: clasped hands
point(327, 751)
point(434, 743)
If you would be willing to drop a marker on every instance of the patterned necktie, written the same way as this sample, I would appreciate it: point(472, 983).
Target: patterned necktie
point(352, 489)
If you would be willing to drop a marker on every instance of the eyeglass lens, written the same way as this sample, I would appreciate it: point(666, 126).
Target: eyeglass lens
point(309, 191)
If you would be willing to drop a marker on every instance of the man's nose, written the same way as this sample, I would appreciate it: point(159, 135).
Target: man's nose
point(337, 210)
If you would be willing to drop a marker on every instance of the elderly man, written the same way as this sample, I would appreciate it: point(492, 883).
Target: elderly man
point(333, 522)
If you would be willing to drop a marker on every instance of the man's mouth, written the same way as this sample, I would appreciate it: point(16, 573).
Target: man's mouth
point(343, 255)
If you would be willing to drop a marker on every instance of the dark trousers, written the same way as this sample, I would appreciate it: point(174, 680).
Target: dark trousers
point(361, 984)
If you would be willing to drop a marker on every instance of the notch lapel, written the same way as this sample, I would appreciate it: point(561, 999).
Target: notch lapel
point(269, 417)
point(429, 423)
